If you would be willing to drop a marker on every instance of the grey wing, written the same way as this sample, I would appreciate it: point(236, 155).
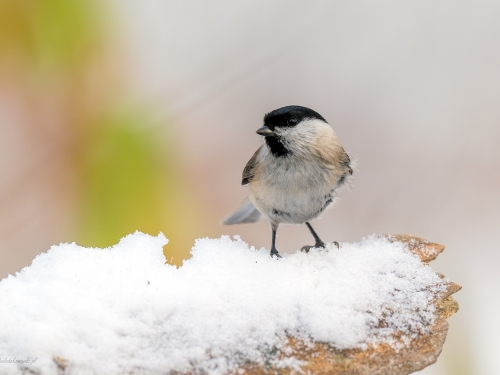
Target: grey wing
point(246, 213)
point(249, 170)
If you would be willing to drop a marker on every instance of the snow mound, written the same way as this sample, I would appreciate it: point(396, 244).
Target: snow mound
point(113, 310)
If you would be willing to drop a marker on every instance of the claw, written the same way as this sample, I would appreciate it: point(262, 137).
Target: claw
point(275, 252)
point(306, 248)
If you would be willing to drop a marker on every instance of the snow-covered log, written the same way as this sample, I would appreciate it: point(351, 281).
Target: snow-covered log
point(372, 307)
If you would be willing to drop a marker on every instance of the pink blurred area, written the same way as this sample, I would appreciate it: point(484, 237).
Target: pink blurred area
point(411, 88)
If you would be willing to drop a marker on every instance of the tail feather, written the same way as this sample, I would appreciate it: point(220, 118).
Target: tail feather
point(246, 213)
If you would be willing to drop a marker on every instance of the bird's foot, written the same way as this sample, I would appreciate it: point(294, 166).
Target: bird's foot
point(319, 245)
point(275, 252)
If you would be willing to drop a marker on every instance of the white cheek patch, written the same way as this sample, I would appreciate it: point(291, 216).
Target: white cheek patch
point(309, 128)
point(306, 131)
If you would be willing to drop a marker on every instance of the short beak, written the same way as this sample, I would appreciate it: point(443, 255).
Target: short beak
point(265, 131)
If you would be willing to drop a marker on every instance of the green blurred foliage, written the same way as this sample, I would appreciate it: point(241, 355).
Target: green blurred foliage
point(127, 178)
point(132, 181)
point(50, 34)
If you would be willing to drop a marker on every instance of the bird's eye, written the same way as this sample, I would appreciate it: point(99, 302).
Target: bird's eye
point(292, 121)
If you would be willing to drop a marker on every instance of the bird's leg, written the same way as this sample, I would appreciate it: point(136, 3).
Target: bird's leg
point(274, 251)
point(319, 244)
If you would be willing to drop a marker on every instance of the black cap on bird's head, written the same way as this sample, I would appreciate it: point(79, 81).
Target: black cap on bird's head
point(284, 117)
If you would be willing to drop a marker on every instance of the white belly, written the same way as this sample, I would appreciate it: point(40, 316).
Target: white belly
point(292, 193)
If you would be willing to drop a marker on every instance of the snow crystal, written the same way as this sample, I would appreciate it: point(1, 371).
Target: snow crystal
point(108, 311)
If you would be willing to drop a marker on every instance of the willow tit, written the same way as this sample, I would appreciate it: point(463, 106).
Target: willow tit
point(296, 174)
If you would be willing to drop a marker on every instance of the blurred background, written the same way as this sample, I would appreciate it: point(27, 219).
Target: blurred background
point(118, 116)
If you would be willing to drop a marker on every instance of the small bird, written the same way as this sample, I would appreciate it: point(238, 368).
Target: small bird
point(296, 174)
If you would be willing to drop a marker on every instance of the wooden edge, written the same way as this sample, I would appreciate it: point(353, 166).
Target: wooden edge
point(451, 288)
point(447, 307)
point(323, 359)
point(426, 250)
